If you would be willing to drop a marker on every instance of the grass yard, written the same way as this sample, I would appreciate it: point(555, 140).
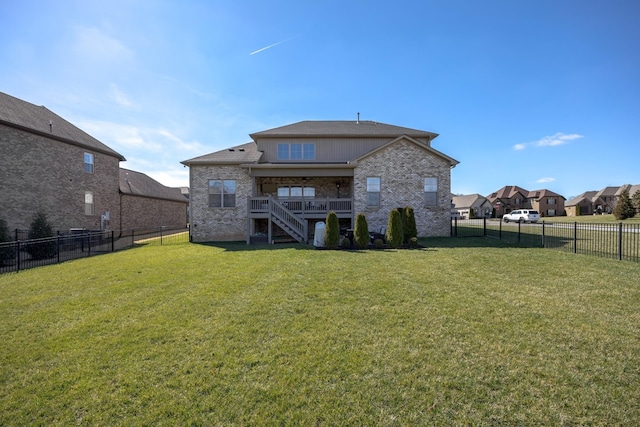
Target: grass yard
point(191, 334)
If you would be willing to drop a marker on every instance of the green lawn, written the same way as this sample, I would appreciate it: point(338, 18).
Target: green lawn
point(191, 334)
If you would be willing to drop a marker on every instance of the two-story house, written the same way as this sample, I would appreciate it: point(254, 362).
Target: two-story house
point(547, 202)
point(472, 206)
point(509, 198)
point(288, 178)
point(49, 165)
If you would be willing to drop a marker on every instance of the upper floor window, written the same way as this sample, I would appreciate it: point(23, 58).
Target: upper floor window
point(373, 191)
point(222, 193)
point(551, 201)
point(296, 151)
point(88, 162)
point(89, 207)
point(431, 191)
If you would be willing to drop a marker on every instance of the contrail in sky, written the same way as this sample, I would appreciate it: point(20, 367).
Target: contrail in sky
point(272, 45)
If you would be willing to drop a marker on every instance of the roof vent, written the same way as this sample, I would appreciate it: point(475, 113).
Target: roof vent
point(51, 126)
point(241, 149)
point(358, 121)
point(232, 149)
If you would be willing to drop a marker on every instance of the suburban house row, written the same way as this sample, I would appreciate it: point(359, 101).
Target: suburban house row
point(286, 179)
point(49, 165)
point(546, 202)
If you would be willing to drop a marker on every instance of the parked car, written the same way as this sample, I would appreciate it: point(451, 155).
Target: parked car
point(522, 215)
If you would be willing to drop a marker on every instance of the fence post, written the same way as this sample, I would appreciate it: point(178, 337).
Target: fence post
point(620, 242)
point(519, 226)
point(89, 242)
point(161, 229)
point(112, 242)
point(575, 237)
point(58, 247)
point(455, 228)
point(543, 234)
point(17, 252)
point(484, 226)
point(500, 232)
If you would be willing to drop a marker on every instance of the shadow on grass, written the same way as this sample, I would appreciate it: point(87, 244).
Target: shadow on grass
point(426, 244)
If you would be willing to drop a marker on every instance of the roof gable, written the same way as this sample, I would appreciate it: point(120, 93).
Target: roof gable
point(452, 162)
point(40, 120)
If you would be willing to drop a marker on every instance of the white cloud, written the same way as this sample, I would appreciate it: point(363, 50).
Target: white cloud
point(558, 138)
point(119, 96)
point(545, 180)
point(119, 136)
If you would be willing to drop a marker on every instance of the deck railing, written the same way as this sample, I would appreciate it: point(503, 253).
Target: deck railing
point(303, 206)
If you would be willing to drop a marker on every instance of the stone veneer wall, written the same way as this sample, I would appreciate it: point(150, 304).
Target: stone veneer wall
point(145, 212)
point(218, 224)
point(42, 174)
point(402, 168)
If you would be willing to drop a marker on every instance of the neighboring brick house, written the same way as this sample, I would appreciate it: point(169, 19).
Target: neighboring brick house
point(472, 206)
point(513, 197)
point(47, 164)
point(288, 178)
point(509, 198)
point(547, 202)
point(145, 202)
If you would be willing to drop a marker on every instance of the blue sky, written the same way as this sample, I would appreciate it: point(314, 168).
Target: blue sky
point(540, 94)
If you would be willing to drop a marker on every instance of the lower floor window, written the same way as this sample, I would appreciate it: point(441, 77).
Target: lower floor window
point(373, 191)
point(431, 191)
point(222, 193)
point(89, 208)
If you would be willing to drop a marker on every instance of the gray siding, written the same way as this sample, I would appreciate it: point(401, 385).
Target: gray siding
point(328, 150)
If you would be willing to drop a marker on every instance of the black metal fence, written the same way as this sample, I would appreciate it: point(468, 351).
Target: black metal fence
point(613, 240)
point(24, 254)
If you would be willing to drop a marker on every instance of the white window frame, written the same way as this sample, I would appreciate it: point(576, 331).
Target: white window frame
point(430, 191)
point(89, 203)
point(374, 187)
point(296, 151)
point(89, 162)
point(226, 198)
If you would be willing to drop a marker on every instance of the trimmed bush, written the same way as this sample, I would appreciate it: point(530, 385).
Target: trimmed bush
point(378, 243)
point(410, 228)
point(332, 231)
point(361, 233)
point(40, 228)
point(413, 242)
point(346, 243)
point(394, 234)
point(7, 252)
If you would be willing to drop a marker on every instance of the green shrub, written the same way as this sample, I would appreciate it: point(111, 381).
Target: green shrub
point(378, 243)
point(41, 228)
point(394, 234)
point(346, 243)
point(7, 252)
point(332, 231)
point(410, 228)
point(361, 233)
point(413, 242)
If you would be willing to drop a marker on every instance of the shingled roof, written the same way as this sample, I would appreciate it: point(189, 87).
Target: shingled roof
point(40, 120)
point(342, 128)
point(245, 153)
point(138, 184)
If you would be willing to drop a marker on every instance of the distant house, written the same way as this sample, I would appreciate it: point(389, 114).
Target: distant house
point(287, 179)
point(581, 205)
point(547, 202)
point(49, 165)
point(145, 202)
point(598, 202)
point(472, 206)
point(509, 198)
